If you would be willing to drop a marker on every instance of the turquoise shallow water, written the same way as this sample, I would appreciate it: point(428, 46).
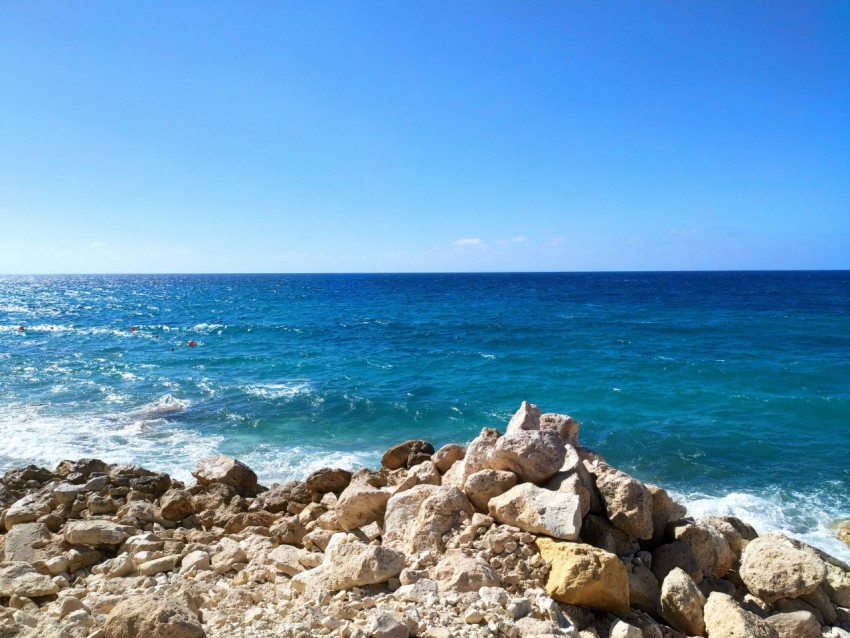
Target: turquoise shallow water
point(730, 389)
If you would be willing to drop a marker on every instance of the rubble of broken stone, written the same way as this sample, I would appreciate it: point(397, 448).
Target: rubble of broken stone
point(525, 534)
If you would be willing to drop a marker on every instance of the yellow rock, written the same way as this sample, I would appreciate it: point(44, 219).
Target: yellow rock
point(585, 575)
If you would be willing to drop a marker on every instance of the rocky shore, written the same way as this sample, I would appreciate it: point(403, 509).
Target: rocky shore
point(525, 534)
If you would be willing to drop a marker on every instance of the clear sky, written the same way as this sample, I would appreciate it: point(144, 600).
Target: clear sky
point(423, 136)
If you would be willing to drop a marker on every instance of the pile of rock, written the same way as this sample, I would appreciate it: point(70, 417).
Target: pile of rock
point(525, 534)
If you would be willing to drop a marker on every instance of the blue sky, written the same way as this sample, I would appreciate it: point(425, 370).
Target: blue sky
point(423, 136)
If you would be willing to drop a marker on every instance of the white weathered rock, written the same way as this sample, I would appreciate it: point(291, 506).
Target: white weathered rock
point(148, 616)
point(360, 504)
point(386, 625)
point(21, 539)
point(622, 629)
point(26, 510)
point(797, 624)
point(197, 561)
point(350, 563)
point(533, 455)
point(417, 519)
point(526, 418)
point(447, 456)
point(97, 533)
point(772, 568)
point(228, 471)
point(228, 556)
point(287, 559)
point(21, 579)
point(539, 511)
point(709, 546)
point(159, 565)
point(458, 572)
point(724, 618)
point(681, 603)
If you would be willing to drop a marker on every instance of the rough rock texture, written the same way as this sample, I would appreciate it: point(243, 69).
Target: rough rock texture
point(228, 471)
point(97, 533)
point(797, 624)
point(724, 618)
point(533, 456)
point(360, 504)
point(526, 418)
point(328, 479)
point(484, 485)
point(147, 617)
point(460, 573)
point(682, 602)
point(348, 562)
point(417, 519)
point(21, 579)
point(586, 576)
point(772, 568)
point(627, 501)
point(447, 455)
point(540, 511)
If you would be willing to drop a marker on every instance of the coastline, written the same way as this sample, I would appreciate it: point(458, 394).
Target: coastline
point(521, 533)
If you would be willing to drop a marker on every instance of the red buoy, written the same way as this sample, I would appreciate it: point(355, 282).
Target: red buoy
point(20, 328)
point(191, 343)
point(132, 328)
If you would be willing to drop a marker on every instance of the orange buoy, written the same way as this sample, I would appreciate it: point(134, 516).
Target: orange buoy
point(191, 343)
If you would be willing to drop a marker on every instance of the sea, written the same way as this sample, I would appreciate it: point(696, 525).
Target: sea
point(729, 389)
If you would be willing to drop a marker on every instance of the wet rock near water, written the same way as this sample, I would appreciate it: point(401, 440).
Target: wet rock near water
point(522, 534)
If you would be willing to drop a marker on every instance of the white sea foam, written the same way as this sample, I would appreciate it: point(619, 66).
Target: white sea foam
point(286, 390)
point(167, 404)
point(803, 516)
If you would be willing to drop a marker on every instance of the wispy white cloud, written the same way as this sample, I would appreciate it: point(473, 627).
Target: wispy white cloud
point(98, 244)
point(519, 239)
point(469, 241)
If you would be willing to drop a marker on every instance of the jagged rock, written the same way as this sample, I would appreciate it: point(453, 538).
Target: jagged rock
point(797, 624)
point(570, 482)
point(724, 618)
point(425, 473)
point(279, 496)
point(772, 568)
point(477, 458)
point(407, 454)
point(151, 617)
point(533, 456)
point(447, 456)
point(287, 559)
point(417, 519)
point(197, 561)
point(709, 546)
point(228, 556)
point(664, 510)
point(733, 530)
point(681, 603)
point(620, 629)
point(566, 427)
point(675, 554)
point(328, 479)
point(539, 511)
point(458, 572)
point(820, 601)
point(385, 625)
point(484, 485)
point(96, 533)
point(176, 504)
point(22, 538)
point(21, 579)
point(27, 509)
point(228, 471)
point(526, 418)
point(628, 502)
point(644, 590)
point(584, 575)
point(350, 563)
point(598, 531)
point(359, 504)
point(837, 585)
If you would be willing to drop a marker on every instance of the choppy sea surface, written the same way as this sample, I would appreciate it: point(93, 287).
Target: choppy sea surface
point(730, 389)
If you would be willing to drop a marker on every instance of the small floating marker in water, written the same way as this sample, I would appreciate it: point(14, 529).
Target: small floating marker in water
point(191, 343)
point(132, 328)
point(20, 328)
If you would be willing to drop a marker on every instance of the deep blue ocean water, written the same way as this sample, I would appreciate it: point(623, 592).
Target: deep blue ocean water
point(731, 389)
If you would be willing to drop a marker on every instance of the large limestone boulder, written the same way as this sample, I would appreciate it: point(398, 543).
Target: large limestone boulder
point(22, 539)
point(27, 509)
point(772, 568)
point(484, 485)
point(664, 510)
point(328, 479)
point(152, 617)
point(676, 554)
point(682, 602)
point(628, 502)
point(734, 530)
point(566, 427)
point(20, 578)
point(709, 546)
point(407, 454)
point(837, 585)
point(725, 619)
point(97, 533)
point(571, 482)
point(417, 519)
point(350, 563)
point(796, 624)
point(586, 576)
point(360, 504)
point(477, 458)
point(229, 471)
point(461, 573)
point(533, 456)
point(539, 511)
point(644, 590)
point(176, 504)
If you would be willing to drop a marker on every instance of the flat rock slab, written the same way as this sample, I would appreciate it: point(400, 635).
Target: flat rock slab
point(97, 533)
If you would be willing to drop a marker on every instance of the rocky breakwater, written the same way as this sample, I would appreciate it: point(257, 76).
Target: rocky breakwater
point(525, 534)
